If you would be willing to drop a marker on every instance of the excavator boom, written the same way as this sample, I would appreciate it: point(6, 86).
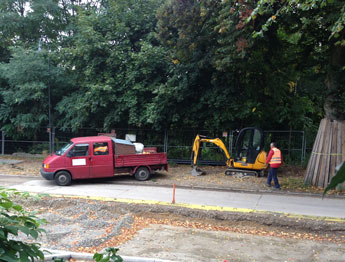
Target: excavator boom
point(195, 153)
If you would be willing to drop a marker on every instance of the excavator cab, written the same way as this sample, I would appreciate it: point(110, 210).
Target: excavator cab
point(249, 151)
point(249, 143)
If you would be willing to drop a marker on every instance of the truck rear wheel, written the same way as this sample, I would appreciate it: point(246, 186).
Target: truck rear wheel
point(63, 178)
point(142, 174)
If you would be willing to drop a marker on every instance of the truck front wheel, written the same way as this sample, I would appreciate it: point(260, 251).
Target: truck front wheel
point(63, 178)
point(142, 174)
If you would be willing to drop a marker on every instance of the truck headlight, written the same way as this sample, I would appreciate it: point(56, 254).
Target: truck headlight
point(46, 166)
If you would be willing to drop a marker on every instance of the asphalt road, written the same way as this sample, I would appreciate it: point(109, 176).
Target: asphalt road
point(207, 199)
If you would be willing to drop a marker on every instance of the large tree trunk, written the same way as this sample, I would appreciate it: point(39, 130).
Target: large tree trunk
point(335, 101)
point(329, 146)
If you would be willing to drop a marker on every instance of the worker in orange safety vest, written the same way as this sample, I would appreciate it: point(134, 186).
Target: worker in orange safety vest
point(275, 159)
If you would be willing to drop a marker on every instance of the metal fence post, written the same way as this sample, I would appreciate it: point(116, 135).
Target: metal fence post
point(3, 142)
point(53, 140)
point(231, 138)
point(302, 153)
point(305, 148)
point(165, 141)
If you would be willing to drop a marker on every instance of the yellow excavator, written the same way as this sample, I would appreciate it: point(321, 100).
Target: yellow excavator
point(249, 155)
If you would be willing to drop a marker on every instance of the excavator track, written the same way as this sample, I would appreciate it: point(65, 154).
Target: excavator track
point(231, 172)
point(243, 172)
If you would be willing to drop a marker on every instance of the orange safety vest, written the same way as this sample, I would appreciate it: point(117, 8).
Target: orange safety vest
point(102, 149)
point(277, 156)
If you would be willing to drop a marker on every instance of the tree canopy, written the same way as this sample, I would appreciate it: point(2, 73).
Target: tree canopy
point(171, 64)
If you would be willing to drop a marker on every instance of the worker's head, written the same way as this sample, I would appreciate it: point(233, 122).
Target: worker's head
point(273, 144)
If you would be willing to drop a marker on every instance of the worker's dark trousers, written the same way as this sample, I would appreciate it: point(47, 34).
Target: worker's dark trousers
point(273, 174)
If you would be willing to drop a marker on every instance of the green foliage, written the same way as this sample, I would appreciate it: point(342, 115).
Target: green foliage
point(25, 21)
point(116, 64)
point(196, 93)
point(317, 27)
point(39, 148)
point(24, 74)
point(55, 259)
point(337, 179)
point(14, 220)
point(179, 152)
point(212, 153)
point(235, 81)
point(169, 64)
point(108, 256)
point(24, 95)
point(312, 13)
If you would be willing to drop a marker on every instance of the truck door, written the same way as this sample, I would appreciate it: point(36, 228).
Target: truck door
point(101, 160)
point(78, 159)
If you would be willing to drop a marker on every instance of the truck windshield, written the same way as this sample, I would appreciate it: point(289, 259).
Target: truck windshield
point(63, 150)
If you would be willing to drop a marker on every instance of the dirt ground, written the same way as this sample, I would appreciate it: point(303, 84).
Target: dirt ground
point(204, 245)
point(184, 235)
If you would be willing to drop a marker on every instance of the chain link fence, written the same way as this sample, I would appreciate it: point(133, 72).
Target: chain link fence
point(177, 143)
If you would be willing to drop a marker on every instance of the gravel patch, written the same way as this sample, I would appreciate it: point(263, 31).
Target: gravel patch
point(74, 224)
point(10, 161)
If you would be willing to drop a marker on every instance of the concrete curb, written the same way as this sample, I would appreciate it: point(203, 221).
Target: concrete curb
point(238, 190)
point(89, 257)
point(23, 176)
point(200, 207)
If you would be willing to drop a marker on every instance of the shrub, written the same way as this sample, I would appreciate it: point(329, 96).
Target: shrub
point(13, 220)
point(108, 256)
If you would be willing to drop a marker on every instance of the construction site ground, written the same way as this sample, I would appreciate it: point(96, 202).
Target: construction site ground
point(182, 234)
point(290, 177)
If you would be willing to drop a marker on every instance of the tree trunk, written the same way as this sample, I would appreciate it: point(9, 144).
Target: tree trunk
point(335, 102)
point(329, 146)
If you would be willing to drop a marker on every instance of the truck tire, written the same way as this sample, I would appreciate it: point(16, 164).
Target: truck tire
point(142, 174)
point(63, 178)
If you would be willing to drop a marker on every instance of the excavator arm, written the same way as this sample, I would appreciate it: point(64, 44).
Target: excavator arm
point(195, 153)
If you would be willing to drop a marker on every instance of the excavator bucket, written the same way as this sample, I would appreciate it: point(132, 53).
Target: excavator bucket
point(197, 172)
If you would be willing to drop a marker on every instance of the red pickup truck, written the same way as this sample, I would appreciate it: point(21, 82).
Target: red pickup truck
point(101, 156)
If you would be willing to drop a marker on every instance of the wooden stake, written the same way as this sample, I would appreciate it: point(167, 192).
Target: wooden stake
point(173, 201)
